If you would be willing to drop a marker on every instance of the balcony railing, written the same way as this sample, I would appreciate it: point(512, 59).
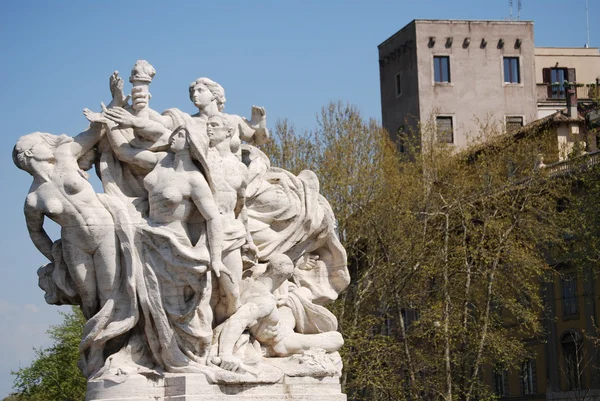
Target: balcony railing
point(579, 163)
point(557, 92)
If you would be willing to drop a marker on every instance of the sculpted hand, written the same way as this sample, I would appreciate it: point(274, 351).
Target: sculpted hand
point(122, 117)
point(94, 117)
point(259, 117)
point(227, 362)
point(116, 90)
point(218, 267)
point(250, 250)
point(311, 263)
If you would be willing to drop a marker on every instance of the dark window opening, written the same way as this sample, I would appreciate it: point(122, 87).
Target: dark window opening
point(569, 295)
point(500, 382)
point(398, 85)
point(513, 123)
point(445, 129)
point(512, 73)
point(441, 69)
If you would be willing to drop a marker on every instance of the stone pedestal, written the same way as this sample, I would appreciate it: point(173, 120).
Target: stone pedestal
point(195, 387)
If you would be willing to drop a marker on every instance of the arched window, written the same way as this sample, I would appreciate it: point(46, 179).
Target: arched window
point(572, 345)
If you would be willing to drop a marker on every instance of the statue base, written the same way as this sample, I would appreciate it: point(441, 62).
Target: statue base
point(195, 387)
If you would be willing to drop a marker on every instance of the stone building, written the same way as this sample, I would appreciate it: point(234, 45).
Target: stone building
point(460, 74)
point(554, 65)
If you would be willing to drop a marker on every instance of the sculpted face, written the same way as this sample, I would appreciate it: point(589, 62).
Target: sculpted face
point(140, 96)
point(201, 96)
point(178, 140)
point(216, 130)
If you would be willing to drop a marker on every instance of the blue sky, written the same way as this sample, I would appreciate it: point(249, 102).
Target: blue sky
point(292, 57)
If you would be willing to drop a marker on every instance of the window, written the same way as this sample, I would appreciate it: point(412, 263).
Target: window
point(398, 85)
point(512, 74)
point(572, 353)
point(558, 76)
point(555, 77)
point(513, 123)
point(445, 130)
point(528, 377)
point(500, 382)
point(441, 69)
point(569, 295)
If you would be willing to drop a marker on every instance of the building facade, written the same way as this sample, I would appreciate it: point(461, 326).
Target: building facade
point(554, 65)
point(463, 74)
point(460, 75)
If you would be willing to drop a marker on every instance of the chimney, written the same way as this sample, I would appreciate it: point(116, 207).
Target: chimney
point(571, 100)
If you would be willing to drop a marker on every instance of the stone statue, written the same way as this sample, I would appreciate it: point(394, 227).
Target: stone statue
point(199, 261)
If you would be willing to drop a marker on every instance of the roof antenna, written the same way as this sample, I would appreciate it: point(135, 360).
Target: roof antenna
point(587, 21)
point(510, 4)
point(519, 10)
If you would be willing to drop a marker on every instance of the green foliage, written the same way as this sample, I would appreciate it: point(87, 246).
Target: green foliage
point(446, 253)
point(444, 250)
point(54, 375)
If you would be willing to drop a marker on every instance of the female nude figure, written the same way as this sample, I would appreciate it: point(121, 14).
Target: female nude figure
point(176, 187)
point(61, 192)
point(178, 288)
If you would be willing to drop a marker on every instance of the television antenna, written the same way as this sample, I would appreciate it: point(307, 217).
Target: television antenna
point(519, 5)
point(587, 21)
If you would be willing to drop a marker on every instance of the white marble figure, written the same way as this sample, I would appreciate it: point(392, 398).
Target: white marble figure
point(199, 256)
point(61, 192)
point(259, 314)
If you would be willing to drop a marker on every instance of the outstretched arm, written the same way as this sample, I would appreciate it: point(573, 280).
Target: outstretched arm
point(145, 127)
point(35, 226)
point(86, 140)
point(127, 153)
point(255, 131)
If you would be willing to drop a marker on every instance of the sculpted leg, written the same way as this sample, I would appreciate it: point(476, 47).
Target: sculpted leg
point(107, 268)
point(229, 290)
point(81, 269)
point(296, 343)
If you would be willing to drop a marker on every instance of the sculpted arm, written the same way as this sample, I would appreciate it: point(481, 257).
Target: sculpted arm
point(35, 226)
point(247, 315)
point(86, 140)
point(254, 131)
point(205, 202)
point(241, 213)
point(145, 127)
point(127, 153)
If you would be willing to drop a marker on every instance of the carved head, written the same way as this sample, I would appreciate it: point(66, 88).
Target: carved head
point(279, 269)
point(218, 129)
point(201, 98)
point(38, 146)
point(179, 139)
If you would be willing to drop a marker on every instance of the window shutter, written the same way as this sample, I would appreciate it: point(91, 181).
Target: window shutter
point(571, 77)
point(546, 75)
point(547, 79)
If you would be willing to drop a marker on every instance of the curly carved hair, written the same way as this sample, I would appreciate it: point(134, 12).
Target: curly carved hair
point(217, 90)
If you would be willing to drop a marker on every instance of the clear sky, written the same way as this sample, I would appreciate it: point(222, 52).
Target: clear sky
point(292, 57)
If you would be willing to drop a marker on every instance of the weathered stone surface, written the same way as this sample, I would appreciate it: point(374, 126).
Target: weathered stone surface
point(199, 259)
point(188, 387)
